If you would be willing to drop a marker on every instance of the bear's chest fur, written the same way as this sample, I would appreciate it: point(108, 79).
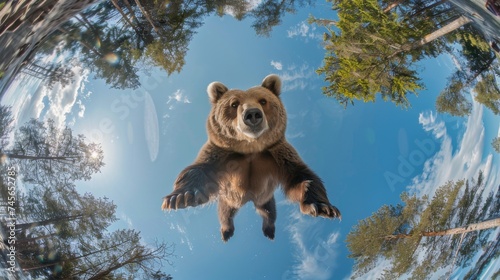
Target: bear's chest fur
point(249, 177)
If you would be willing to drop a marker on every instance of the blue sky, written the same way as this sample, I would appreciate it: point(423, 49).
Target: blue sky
point(366, 155)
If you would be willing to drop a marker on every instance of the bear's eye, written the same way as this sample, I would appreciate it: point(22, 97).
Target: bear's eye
point(262, 102)
point(235, 104)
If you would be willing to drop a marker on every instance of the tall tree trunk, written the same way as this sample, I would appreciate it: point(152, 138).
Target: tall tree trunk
point(491, 223)
point(452, 26)
point(92, 253)
point(41, 157)
point(37, 71)
point(85, 22)
point(146, 14)
point(129, 7)
point(47, 222)
point(27, 243)
point(322, 21)
point(106, 272)
point(24, 268)
point(392, 5)
point(85, 44)
point(125, 17)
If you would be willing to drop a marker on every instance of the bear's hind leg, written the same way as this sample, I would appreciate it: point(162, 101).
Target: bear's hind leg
point(268, 213)
point(226, 215)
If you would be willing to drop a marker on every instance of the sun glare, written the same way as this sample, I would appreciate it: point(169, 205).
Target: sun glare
point(94, 155)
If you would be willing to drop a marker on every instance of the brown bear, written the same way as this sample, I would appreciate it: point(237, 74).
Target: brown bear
point(246, 157)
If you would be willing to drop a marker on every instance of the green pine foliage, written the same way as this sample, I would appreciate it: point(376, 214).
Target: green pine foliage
point(488, 92)
point(452, 100)
point(60, 232)
point(496, 144)
point(412, 236)
point(371, 52)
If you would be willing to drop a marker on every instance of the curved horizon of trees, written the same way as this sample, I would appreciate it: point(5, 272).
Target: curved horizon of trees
point(423, 234)
point(60, 232)
point(116, 39)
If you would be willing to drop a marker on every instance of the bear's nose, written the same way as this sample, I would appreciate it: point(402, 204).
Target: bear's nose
point(252, 117)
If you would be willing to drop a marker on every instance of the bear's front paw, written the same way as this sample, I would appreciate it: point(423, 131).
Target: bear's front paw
point(320, 209)
point(179, 200)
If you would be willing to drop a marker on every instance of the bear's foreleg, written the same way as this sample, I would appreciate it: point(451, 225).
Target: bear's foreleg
point(311, 195)
point(195, 185)
point(301, 184)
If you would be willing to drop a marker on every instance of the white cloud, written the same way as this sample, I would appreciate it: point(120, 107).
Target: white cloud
point(429, 123)
point(315, 252)
point(456, 62)
point(127, 220)
point(25, 97)
point(177, 97)
point(454, 164)
point(277, 65)
point(451, 163)
point(301, 29)
point(29, 97)
point(298, 78)
point(333, 238)
point(298, 134)
point(304, 30)
point(251, 4)
point(61, 100)
point(184, 237)
point(81, 108)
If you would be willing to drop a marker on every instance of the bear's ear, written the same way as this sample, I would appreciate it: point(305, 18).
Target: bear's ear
point(273, 83)
point(215, 90)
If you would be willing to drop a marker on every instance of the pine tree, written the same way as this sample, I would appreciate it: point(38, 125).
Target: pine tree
point(456, 218)
point(372, 51)
point(496, 144)
point(478, 71)
point(488, 92)
point(47, 154)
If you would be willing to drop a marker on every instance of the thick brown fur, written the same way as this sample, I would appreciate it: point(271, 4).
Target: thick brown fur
point(246, 157)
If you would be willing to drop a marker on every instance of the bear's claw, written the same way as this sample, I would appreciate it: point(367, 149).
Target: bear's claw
point(182, 200)
point(321, 209)
point(269, 232)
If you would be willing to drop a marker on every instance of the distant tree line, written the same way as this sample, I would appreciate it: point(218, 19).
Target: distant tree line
point(423, 234)
point(115, 39)
point(61, 233)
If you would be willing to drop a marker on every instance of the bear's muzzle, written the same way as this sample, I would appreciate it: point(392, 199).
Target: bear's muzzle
point(252, 117)
point(252, 122)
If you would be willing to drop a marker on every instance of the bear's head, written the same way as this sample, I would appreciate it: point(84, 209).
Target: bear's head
point(246, 121)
